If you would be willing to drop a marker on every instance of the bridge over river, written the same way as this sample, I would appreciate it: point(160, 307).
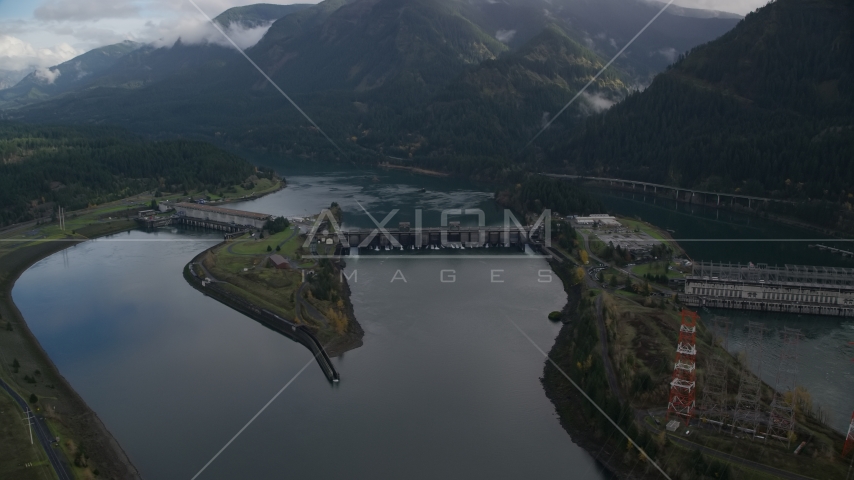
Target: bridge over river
point(682, 194)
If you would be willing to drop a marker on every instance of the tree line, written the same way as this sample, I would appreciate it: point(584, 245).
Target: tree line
point(79, 166)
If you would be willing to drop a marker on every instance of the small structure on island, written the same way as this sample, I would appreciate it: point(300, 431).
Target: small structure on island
point(595, 219)
point(279, 262)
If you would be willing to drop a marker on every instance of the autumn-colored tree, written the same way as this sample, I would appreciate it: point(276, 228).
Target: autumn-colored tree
point(578, 276)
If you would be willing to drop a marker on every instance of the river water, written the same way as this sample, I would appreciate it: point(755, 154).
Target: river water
point(444, 386)
point(825, 366)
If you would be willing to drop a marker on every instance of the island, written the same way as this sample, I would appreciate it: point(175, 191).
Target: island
point(296, 287)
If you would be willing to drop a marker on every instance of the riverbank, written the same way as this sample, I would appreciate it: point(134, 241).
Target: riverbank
point(86, 444)
point(421, 171)
point(275, 273)
point(292, 330)
point(620, 353)
point(85, 441)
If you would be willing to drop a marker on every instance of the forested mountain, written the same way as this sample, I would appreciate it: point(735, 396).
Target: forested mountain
point(767, 109)
point(491, 109)
point(605, 26)
point(41, 166)
point(79, 71)
point(536, 192)
point(436, 79)
point(131, 65)
point(251, 16)
point(416, 45)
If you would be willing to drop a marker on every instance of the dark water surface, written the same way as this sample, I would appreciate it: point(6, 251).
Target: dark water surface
point(444, 386)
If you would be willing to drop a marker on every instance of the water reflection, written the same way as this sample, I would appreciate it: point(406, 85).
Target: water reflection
point(443, 387)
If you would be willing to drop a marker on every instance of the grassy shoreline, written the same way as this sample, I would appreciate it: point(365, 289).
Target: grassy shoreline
point(68, 415)
point(310, 292)
point(85, 441)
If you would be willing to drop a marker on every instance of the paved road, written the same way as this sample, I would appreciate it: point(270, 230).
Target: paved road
point(296, 230)
point(606, 359)
point(40, 430)
point(312, 311)
point(207, 273)
point(738, 460)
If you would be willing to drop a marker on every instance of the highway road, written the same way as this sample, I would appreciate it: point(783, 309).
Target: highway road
point(40, 430)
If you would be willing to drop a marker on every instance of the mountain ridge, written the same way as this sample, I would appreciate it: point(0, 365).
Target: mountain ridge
point(760, 110)
point(383, 77)
point(66, 76)
point(258, 14)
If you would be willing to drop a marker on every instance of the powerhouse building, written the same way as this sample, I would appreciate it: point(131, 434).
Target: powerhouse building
point(790, 288)
point(221, 215)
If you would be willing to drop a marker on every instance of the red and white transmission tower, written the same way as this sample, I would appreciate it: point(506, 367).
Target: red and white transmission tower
point(684, 382)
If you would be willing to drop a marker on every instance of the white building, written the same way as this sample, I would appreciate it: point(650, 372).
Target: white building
point(596, 219)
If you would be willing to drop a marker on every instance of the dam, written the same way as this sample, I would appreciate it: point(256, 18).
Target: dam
point(796, 289)
point(452, 234)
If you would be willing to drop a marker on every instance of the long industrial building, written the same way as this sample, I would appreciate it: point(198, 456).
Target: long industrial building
point(790, 288)
point(225, 216)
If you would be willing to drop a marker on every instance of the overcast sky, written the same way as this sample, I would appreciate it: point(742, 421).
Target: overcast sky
point(41, 33)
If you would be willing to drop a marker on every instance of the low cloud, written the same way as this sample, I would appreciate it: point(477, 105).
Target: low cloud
point(16, 54)
point(597, 102)
point(736, 6)
point(47, 75)
point(201, 32)
point(669, 53)
point(78, 66)
point(505, 36)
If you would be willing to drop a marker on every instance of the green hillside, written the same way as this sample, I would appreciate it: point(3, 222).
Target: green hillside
point(492, 109)
point(368, 44)
point(767, 109)
point(68, 75)
point(42, 165)
point(457, 85)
